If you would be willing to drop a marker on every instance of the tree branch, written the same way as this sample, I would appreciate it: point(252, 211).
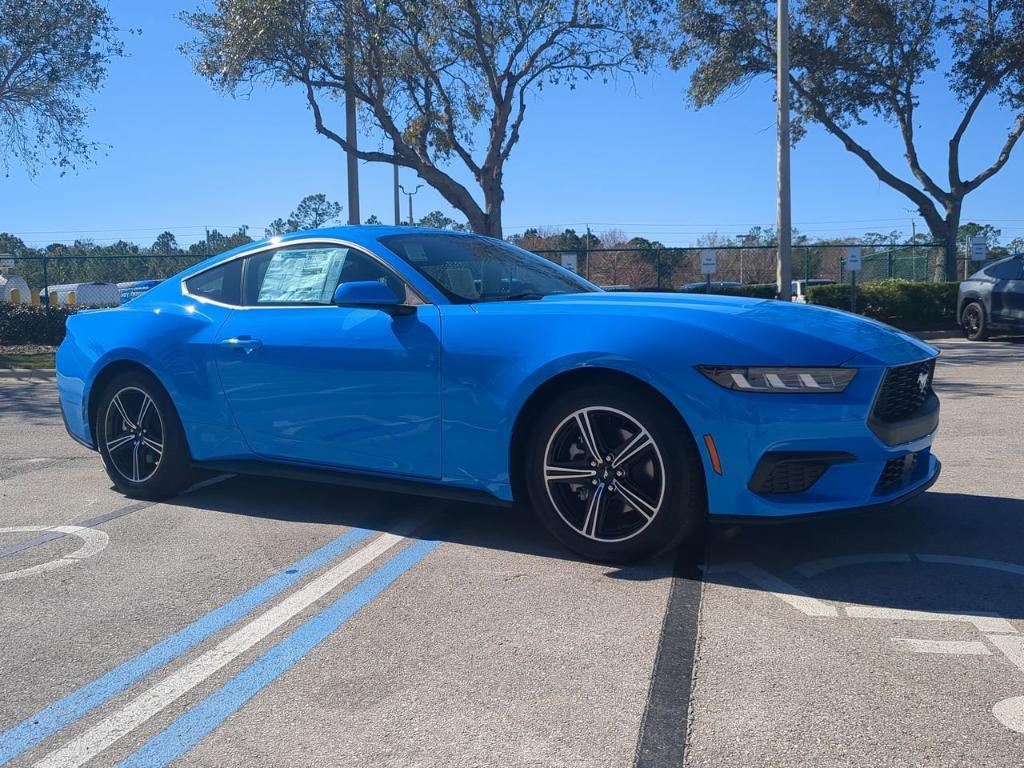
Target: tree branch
point(1004, 155)
point(924, 204)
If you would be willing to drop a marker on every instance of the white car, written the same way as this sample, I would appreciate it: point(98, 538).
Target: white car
point(800, 288)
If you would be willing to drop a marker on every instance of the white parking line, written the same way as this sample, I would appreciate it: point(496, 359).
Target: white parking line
point(98, 738)
point(818, 567)
point(955, 647)
point(983, 620)
point(772, 584)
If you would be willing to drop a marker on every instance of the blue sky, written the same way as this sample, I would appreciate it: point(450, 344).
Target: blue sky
point(630, 155)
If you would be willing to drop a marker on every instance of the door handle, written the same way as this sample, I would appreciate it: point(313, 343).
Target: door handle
point(245, 344)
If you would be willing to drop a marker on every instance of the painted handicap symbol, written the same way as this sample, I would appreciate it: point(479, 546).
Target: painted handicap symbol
point(93, 542)
point(998, 631)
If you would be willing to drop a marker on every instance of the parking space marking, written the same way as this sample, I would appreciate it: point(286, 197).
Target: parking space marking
point(52, 534)
point(984, 621)
point(997, 630)
point(93, 542)
point(954, 647)
point(1010, 712)
point(773, 585)
point(77, 704)
point(144, 706)
point(189, 729)
point(812, 568)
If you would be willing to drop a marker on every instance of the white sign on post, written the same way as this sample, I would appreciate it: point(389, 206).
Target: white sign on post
point(569, 262)
point(708, 262)
point(853, 258)
point(979, 248)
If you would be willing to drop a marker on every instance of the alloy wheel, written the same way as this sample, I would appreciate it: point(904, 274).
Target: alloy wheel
point(134, 434)
point(604, 474)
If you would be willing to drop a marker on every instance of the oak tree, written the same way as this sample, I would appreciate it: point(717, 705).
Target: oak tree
point(53, 55)
point(443, 82)
point(852, 61)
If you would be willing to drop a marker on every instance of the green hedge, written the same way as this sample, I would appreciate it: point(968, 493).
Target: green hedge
point(31, 324)
point(753, 291)
point(897, 302)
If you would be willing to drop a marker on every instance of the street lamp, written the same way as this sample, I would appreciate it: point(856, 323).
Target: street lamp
point(784, 271)
point(410, 194)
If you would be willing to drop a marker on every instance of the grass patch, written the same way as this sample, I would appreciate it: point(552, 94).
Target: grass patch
point(26, 360)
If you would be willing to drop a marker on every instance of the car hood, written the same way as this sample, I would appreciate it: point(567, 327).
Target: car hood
point(757, 331)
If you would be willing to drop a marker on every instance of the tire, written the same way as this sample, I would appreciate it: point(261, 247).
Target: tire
point(646, 500)
point(973, 322)
point(145, 458)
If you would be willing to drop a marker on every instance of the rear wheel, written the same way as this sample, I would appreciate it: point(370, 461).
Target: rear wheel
point(613, 475)
point(140, 438)
point(973, 322)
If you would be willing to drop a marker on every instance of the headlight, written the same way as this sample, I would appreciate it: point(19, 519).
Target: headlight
point(796, 381)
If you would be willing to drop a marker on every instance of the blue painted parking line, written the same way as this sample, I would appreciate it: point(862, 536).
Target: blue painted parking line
point(205, 717)
point(69, 709)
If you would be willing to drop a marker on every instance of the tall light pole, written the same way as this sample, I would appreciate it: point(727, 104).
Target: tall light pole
point(351, 133)
point(784, 271)
point(398, 199)
point(410, 194)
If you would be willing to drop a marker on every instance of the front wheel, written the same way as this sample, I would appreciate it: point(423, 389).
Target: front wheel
point(140, 438)
point(973, 321)
point(614, 475)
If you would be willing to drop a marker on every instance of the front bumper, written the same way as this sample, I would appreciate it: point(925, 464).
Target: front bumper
point(906, 494)
point(849, 465)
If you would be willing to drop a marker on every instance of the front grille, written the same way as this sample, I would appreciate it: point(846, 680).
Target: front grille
point(904, 390)
point(901, 471)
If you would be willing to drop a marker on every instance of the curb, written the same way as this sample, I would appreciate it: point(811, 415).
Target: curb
point(953, 333)
point(27, 374)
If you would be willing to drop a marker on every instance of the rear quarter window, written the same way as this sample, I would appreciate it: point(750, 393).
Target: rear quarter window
point(223, 283)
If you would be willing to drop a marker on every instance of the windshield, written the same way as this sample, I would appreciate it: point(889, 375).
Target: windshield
point(471, 268)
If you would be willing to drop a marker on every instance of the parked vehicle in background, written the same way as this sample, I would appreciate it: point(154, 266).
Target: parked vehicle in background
point(992, 299)
point(800, 288)
point(703, 286)
point(135, 288)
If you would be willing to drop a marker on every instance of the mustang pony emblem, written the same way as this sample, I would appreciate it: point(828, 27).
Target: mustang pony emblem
point(922, 381)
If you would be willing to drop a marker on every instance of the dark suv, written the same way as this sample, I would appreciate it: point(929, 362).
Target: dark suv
point(992, 299)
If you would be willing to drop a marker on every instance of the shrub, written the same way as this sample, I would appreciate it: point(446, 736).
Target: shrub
point(31, 324)
point(897, 302)
point(752, 290)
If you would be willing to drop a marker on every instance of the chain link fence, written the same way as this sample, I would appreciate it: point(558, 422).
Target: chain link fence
point(666, 269)
point(680, 268)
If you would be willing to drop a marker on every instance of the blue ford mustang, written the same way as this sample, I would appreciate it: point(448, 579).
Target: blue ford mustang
point(462, 366)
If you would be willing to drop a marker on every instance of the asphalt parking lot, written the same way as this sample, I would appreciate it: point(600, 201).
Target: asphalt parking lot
point(259, 622)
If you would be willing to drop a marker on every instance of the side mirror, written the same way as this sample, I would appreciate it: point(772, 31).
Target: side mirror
point(370, 294)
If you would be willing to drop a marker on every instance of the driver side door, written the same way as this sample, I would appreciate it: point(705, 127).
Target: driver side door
point(316, 383)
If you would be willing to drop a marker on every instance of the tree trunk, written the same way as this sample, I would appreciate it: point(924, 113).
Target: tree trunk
point(949, 242)
point(494, 195)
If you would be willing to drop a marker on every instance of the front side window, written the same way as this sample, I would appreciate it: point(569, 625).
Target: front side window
point(470, 268)
point(309, 274)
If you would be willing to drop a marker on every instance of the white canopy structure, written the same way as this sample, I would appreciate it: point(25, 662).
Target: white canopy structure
point(85, 294)
point(14, 290)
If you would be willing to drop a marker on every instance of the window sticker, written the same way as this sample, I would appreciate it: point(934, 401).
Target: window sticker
point(302, 277)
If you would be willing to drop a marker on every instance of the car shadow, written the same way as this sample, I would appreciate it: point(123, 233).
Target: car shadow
point(941, 552)
point(510, 529)
point(32, 402)
point(873, 558)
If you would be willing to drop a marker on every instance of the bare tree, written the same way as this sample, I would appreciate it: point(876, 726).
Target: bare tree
point(53, 53)
point(436, 78)
point(869, 57)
